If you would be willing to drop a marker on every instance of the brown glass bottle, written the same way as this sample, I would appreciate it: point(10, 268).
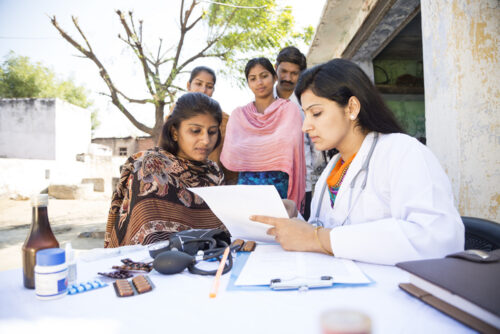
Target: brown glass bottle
point(40, 237)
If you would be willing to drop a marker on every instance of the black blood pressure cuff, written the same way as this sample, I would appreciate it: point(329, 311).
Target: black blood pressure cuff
point(192, 241)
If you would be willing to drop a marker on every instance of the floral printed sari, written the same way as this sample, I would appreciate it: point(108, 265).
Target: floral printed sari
point(151, 200)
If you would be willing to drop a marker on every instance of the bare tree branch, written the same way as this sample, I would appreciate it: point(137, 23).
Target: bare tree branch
point(201, 54)
point(75, 22)
point(141, 101)
point(178, 88)
point(102, 72)
point(159, 51)
point(163, 91)
point(183, 22)
point(137, 47)
point(194, 23)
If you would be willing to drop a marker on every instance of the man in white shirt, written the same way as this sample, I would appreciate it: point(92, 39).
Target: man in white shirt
point(289, 64)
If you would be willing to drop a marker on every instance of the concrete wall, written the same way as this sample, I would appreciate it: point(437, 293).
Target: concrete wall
point(462, 98)
point(133, 144)
point(339, 22)
point(28, 128)
point(48, 129)
point(30, 176)
point(115, 143)
point(73, 130)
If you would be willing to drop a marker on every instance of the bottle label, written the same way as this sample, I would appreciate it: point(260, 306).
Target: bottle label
point(51, 284)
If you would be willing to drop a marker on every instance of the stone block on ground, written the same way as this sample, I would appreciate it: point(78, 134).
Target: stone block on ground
point(97, 182)
point(71, 191)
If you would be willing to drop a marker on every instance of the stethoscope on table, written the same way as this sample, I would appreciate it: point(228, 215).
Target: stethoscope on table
point(364, 167)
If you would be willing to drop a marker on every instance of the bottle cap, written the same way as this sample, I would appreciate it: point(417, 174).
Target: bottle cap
point(70, 253)
point(39, 200)
point(50, 257)
point(345, 321)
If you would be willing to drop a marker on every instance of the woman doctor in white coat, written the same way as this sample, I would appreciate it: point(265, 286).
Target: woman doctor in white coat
point(384, 198)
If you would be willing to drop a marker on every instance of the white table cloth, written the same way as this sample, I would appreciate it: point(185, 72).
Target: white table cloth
point(180, 304)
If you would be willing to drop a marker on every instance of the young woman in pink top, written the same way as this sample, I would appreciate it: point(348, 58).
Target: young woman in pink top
point(264, 142)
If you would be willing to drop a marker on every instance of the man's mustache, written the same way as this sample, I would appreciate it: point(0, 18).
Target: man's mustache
point(286, 82)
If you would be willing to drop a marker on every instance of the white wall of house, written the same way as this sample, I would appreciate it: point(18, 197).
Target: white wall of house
point(39, 143)
point(30, 176)
point(28, 128)
point(48, 129)
point(73, 130)
point(461, 44)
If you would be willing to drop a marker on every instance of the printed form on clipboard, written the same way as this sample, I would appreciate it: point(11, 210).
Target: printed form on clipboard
point(296, 269)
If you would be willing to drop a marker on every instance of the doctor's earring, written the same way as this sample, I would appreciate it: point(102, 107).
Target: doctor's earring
point(353, 117)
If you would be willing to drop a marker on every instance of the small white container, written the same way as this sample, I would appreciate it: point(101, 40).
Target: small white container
point(51, 274)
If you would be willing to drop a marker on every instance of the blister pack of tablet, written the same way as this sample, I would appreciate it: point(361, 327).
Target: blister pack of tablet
point(84, 287)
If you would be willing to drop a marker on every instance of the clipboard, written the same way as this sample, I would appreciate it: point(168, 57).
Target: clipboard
point(301, 284)
point(293, 281)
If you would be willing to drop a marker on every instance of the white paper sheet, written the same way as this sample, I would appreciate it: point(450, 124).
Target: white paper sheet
point(269, 262)
point(233, 205)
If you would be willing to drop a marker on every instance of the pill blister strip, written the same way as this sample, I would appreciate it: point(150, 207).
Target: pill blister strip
point(84, 287)
point(138, 285)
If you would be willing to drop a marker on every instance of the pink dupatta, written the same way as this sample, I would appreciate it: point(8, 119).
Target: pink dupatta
point(272, 141)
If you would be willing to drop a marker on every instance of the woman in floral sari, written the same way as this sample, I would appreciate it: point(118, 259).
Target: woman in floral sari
point(151, 200)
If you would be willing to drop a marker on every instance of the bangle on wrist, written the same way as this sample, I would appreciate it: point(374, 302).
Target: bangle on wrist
point(316, 229)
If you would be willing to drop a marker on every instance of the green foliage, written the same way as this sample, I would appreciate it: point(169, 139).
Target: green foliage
point(19, 78)
point(252, 32)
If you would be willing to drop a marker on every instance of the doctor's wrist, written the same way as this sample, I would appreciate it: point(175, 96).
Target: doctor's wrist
point(322, 239)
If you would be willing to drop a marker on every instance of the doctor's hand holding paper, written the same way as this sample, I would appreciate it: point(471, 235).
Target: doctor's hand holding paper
point(384, 198)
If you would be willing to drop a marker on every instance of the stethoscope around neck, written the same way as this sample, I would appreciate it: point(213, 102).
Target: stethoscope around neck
point(364, 167)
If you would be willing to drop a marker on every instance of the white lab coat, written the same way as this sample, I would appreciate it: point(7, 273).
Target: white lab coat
point(406, 212)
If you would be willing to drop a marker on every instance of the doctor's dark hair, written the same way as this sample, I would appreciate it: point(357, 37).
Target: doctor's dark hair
point(198, 69)
point(262, 61)
point(291, 54)
point(338, 80)
point(188, 105)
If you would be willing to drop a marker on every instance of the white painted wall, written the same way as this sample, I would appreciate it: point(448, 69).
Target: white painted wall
point(73, 130)
point(462, 98)
point(49, 129)
point(27, 128)
point(30, 176)
point(39, 141)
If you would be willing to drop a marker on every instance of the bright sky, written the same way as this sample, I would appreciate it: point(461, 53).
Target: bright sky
point(25, 28)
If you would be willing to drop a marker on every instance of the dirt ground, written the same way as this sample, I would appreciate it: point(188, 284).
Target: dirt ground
point(81, 222)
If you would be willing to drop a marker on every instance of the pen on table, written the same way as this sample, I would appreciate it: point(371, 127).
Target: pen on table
point(215, 286)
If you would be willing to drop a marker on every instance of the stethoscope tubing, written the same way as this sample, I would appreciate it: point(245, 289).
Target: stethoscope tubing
point(364, 167)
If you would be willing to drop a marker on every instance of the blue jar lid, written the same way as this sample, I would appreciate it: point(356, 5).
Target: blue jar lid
point(50, 257)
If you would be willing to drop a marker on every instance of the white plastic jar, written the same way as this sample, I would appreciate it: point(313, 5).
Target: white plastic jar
point(51, 274)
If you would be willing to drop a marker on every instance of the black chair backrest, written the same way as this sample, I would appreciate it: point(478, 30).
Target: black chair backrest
point(481, 234)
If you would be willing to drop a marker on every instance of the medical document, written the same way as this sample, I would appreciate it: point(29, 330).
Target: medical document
point(269, 262)
point(233, 205)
